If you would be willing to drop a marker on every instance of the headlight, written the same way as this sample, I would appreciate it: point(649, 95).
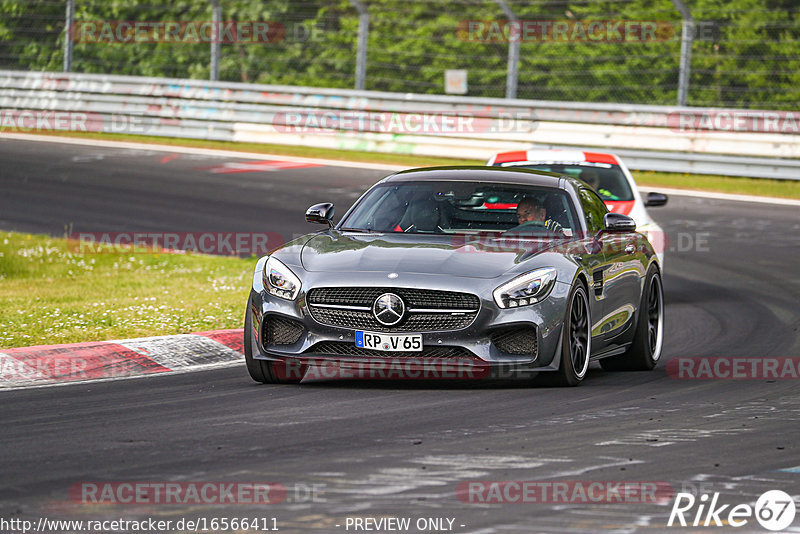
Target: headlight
point(280, 281)
point(526, 289)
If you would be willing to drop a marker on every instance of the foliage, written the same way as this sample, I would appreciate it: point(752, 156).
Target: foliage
point(746, 52)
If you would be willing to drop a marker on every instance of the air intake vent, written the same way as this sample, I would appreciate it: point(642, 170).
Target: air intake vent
point(339, 348)
point(281, 331)
point(519, 341)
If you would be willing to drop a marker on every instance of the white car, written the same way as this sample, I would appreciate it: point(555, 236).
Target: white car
point(606, 173)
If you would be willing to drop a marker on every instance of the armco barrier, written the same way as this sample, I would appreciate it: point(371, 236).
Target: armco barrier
point(646, 136)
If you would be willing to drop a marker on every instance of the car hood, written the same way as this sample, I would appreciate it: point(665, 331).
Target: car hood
point(463, 256)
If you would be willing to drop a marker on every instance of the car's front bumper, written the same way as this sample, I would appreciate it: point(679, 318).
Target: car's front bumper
point(475, 345)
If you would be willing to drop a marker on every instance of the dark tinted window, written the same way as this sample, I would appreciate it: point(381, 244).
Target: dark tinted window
point(594, 209)
point(454, 207)
point(608, 180)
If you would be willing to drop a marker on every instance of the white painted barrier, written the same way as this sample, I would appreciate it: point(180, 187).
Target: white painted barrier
point(648, 137)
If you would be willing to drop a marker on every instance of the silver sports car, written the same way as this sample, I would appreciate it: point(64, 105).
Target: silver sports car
point(459, 272)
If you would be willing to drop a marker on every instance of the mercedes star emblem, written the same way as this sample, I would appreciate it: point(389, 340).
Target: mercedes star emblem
point(388, 309)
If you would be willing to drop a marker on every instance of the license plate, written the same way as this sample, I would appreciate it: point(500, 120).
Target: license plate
point(389, 342)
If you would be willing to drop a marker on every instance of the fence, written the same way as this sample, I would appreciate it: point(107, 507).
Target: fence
point(661, 52)
point(714, 141)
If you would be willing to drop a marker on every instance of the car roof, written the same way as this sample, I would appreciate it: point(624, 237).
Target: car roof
point(465, 173)
point(555, 156)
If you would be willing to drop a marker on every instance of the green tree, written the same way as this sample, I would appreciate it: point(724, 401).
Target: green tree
point(750, 58)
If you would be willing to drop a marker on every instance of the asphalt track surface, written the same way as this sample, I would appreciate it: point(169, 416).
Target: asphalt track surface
point(400, 449)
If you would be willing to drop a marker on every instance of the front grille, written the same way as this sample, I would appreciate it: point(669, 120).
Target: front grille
point(521, 341)
point(281, 331)
point(416, 322)
point(414, 298)
point(454, 310)
point(341, 348)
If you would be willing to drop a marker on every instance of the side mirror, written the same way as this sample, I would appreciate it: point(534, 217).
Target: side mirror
point(655, 199)
point(320, 213)
point(616, 222)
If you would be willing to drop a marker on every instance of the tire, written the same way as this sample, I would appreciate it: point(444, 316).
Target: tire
point(645, 351)
point(263, 371)
point(576, 340)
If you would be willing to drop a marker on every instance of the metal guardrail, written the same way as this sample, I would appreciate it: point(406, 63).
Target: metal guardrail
point(753, 167)
point(644, 135)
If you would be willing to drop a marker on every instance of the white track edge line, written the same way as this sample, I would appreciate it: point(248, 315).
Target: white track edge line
point(201, 151)
point(351, 164)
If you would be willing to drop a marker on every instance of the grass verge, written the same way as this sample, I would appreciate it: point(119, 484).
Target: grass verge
point(700, 182)
point(52, 294)
point(722, 184)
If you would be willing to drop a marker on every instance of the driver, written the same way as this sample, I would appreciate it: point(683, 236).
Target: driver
point(532, 216)
point(591, 177)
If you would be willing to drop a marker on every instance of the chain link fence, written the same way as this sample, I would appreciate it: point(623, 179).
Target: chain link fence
point(740, 54)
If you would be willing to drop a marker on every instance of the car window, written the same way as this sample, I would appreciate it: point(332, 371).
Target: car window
point(594, 209)
point(608, 180)
point(458, 207)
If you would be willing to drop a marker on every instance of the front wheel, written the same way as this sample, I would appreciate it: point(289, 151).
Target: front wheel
point(576, 339)
point(264, 371)
point(645, 351)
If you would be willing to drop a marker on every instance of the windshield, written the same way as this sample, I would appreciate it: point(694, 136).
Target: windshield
point(462, 207)
point(608, 180)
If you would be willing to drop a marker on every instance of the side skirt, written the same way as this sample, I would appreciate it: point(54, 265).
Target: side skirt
point(610, 351)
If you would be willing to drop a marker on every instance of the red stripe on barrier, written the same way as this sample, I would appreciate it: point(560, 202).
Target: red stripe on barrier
point(233, 339)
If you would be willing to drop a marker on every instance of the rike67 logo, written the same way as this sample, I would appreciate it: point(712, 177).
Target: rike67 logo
point(774, 510)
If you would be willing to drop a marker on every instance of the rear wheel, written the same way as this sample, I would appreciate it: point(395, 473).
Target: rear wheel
point(576, 340)
point(264, 371)
point(645, 351)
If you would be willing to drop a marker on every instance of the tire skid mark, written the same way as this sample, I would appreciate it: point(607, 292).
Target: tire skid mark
point(667, 436)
